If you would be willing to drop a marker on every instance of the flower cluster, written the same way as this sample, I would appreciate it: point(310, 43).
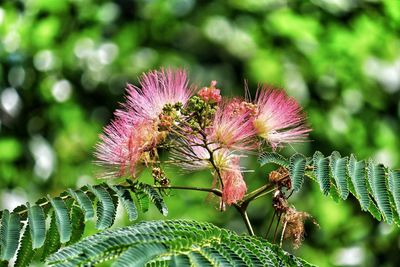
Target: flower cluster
point(202, 129)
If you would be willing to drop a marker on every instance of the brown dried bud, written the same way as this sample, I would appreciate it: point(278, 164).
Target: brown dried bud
point(279, 202)
point(293, 225)
point(281, 178)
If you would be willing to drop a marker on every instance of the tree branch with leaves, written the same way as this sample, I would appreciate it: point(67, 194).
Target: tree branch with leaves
point(201, 130)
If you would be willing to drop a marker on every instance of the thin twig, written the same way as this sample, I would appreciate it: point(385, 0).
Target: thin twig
point(211, 190)
point(276, 228)
point(283, 233)
point(270, 224)
point(245, 218)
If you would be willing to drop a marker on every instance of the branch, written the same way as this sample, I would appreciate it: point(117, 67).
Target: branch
point(265, 189)
point(211, 190)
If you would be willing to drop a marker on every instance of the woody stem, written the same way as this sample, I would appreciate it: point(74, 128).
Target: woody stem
point(211, 190)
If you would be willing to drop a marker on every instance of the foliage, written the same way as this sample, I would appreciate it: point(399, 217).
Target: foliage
point(173, 243)
point(69, 214)
point(338, 58)
point(372, 184)
point(177, 242)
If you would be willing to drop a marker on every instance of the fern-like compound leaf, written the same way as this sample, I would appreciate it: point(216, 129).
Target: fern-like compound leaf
point(139, 255)
point(62, 219)
point(321, 171)
point(37, 225)
point(179, 260)
point(25, 252)
point(68, 213)
point(143, 200)
point(394, 186)
point(154, 197)
point(126, 199)
point(376, 187)
point(106, 207)
point(9, 231)
point(173, 243)
point(297, 167)
point(373, 209)
point(358, 177)
point(77, 223)
point(379, 190)
point(273, 157)
point(339, 171)
point(52, 242)
point(84, 202)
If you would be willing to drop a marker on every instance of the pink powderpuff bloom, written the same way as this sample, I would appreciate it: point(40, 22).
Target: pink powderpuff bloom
point(123, 146)
point(233, 127)
point(196, 157)
point(190, 154)
point(234, 185)
point(158, 88)
point(279, 119)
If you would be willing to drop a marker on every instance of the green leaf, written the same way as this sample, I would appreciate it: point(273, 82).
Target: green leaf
point(84, 202)
point(173, 243)
point(9, 231)
point(339, 173)
point(143, 200)
point(373, 209)
point(272, 157)
point(180, 260)
point(25, 252)
point(154, 197)
point(140, 255)
point(52, 242)
point(127, 201)
point(106, 207)
point(379, 190)
point(197, 259)
point(296, 169)
point(358, 177)
point(394, 187)
point(78, 224)
point(62, 219)
point(321, 171)
point(37, 222)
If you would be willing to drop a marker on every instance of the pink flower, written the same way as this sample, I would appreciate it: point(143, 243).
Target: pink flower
point(124, 145)
point(234, 185)
point(210, 94)
point(195, 157)
point(190, 154)
point(138, 127)
point(158, 88)
point(232, 126)
point(279, 119)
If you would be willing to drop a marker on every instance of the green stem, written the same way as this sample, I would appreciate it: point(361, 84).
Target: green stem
point(264, 194)
point(268, 188)
point(245, 218)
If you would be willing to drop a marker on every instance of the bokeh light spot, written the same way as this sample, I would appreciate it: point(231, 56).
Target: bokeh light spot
point(44, 60)
point(61, 90)
point(44, 157)
point(10, 101)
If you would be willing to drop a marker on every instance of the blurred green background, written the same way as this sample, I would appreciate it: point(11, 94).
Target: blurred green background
point(64, 65)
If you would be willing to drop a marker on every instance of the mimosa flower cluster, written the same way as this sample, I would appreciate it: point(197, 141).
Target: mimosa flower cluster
point(200, 128)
